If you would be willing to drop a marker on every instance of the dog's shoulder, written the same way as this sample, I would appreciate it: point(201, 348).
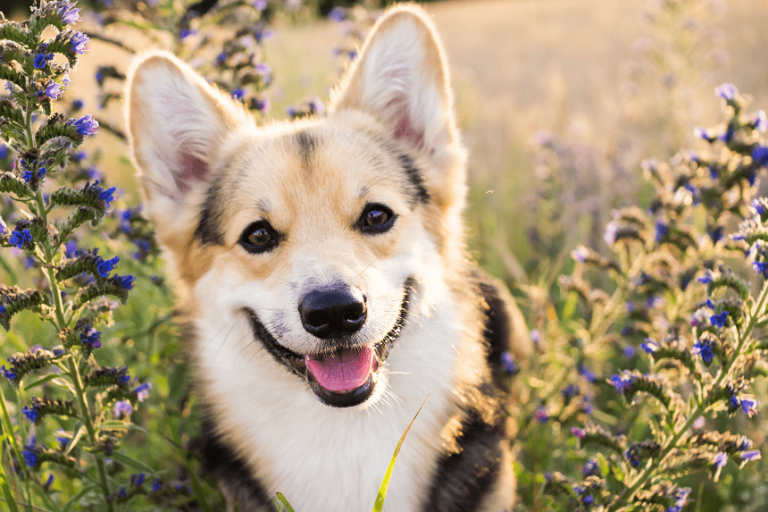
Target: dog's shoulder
point(504, 326)
point(235, 478)
point(473, 470)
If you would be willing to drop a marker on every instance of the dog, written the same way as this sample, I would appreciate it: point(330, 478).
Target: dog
point(322, 271)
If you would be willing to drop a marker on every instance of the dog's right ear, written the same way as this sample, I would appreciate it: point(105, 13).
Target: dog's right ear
point(176, 125)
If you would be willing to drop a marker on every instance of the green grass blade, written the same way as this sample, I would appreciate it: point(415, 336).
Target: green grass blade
point(9, 499)
point(8, 427)
point(388, 475)
point(284, 501)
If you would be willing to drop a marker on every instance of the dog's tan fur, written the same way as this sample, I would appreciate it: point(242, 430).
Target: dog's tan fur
point(390, 137)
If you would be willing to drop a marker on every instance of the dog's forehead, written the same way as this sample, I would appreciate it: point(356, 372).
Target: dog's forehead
point(315, 168)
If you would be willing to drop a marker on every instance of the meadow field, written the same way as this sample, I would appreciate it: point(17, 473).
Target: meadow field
point(559, 102)
point(581, 70)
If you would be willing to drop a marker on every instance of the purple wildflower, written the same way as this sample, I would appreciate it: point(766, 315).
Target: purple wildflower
point(138, 480)
point(541, 415)
point(19, 237)
point(63, 441)
point(338, 14)
point(761, 123)
point(186, 32)
point(53, 90)
point(621, 382)
point(106, 266)
point(718, 320)
point(510, 367)
point(703, 348)
point(751, 455)
point(77, 42)
point(142, 391)
point(649, 346)
point(760, 155)
point(580, 253)
point(726, 91)
point(68, 12)
point(30, 413)
point(587, 374)
point(91, 337)
point(238, 94)
point(261, 104)
point(578, 432)
point(123, 408)
point(30, 452)
point(85, 126)
point(749, 406)
point(40, 61)
point(125, 282)
point(701, 133)
point(720, 459)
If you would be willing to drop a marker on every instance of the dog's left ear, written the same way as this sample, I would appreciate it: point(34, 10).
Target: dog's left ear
point(401, 78)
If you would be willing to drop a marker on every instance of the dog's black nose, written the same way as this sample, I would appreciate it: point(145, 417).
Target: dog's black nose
point(333, 312)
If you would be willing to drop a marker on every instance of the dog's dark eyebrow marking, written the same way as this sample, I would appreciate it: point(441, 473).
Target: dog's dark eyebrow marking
point(208, 231)
point(307, 145)
point(415, 177)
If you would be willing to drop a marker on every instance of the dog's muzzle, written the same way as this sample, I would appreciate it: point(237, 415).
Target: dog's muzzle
point(341, 376)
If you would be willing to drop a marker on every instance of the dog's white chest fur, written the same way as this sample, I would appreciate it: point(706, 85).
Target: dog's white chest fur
point(325, 458)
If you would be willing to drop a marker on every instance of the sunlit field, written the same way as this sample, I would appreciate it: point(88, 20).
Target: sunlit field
point(649, 323)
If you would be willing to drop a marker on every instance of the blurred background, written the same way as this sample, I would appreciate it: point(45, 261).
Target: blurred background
point(611, 82)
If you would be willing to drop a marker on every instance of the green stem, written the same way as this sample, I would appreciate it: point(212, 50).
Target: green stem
point(74, 371)
point(671, 444)
point(85, 414)
point(28, 126)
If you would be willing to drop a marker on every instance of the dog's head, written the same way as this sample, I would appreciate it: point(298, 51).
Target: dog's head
point(314, 234)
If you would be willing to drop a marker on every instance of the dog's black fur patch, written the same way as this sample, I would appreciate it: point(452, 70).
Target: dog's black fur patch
point(498, 326)
point(232, 472)
point(307, 145)
point(208, 231)
point(464, 478)
point(415, 177)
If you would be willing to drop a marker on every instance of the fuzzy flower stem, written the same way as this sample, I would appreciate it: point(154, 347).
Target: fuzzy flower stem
point(49, 272)
point(28, 125)
point(671, 444)
point(74, 370)
point(84, 410)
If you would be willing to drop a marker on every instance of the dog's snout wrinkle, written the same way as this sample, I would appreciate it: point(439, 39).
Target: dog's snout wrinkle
point(333, 312)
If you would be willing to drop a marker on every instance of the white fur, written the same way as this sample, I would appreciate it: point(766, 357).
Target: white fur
point(324, 458)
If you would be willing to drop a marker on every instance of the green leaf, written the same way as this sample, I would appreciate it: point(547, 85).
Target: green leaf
point(41, 381)
point(130, 461)
point(10, 183)
point(284, 502)
point(9, 499)
point(604, 468)
point(388, 475)
point(8, 427)
point(75, 439)
point(75, 501)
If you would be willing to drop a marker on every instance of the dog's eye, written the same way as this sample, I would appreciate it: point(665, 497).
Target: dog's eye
point(259, 237)
point(376, 218)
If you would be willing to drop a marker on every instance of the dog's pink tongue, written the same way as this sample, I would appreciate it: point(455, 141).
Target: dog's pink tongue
point(342, 371)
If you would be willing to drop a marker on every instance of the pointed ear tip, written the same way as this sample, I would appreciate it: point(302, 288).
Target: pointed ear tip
point(152, 60)
point(407, 13)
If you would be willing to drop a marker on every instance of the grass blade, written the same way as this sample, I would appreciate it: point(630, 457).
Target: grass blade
point(388, 475)
point(280, 496)
point(9, 499)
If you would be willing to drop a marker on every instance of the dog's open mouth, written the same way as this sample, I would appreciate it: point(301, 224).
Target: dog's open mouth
point(344, 377)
